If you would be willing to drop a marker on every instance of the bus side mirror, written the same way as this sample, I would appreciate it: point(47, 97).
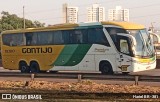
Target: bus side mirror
point(155, 36)
point(133, 40)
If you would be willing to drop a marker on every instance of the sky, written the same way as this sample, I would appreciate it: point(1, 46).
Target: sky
point(50, 11)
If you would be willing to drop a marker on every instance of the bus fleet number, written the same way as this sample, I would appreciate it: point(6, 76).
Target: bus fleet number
point(9, 51)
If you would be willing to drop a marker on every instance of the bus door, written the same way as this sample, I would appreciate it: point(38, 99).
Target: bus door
point(124, 57)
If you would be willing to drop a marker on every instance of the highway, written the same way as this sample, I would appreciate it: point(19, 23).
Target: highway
point(154, 72)
point(150, 77)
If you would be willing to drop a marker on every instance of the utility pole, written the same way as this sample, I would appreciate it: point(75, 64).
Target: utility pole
point(24, 26)
point(152, 27)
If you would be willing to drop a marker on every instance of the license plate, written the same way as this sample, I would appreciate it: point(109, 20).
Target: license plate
point(124, 68)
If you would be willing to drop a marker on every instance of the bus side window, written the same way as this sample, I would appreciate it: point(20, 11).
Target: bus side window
point(50, 38)
point(28, 38)
point(19, 39)
point(6, 39)
point(66, 36)
point(24, 40)
point(11, 42)
point(78, 36)
point(44, 38)
point(58, 39)
point(100, 37)
point(91, 36)
point(34, 38)
point(72, 37)
point(97, 36)
point(14, 40)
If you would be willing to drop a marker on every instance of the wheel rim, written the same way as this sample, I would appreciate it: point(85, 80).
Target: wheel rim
point(105, 68)
point(34, 68)
point(23, 68)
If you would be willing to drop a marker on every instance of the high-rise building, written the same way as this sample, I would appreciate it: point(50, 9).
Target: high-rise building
point(118, 14)
point(95, 13)
point(70, 14)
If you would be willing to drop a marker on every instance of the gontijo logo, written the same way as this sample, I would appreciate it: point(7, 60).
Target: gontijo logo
point(37, 50)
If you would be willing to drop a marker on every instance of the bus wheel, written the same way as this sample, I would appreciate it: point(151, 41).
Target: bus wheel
point(34, 67)
point(24, 67)
point(106, 68)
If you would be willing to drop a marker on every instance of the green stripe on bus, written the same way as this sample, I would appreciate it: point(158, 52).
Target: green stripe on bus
point(78, 54)
point(153, 58)
point(65, 55)
point(72, 55)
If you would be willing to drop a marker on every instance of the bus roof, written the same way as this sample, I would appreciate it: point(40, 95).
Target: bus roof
point(125, 25)
point(53, 27)
point(65, 26)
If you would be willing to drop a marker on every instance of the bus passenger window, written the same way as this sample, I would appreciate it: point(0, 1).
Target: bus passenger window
point(66, 37)
point(28, 38)
point(13, 39)
point(34, 39)
point(58, 39)
point(11, 42)
point(101, 38)
point(50, 39)
point(78, 36)
point(19, 39)
point(91, 36)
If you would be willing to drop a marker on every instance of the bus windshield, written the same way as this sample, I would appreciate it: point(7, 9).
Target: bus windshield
point(144, 47)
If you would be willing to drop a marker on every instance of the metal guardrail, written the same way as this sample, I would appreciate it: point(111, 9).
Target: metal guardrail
point(81, 76)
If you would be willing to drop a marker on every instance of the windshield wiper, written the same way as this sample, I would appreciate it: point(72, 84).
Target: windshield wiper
point(149, 45)
point(143, 45)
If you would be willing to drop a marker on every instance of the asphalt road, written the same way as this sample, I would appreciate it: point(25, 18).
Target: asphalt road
point(154, 72)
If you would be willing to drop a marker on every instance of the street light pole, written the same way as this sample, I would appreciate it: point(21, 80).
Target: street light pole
point(152, 27)
point(23, 19)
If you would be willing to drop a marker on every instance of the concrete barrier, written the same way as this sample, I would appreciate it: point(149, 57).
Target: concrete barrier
point(158, 64)
point(32, 76)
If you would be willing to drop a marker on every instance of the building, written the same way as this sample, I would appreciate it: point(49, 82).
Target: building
point(70, 14)
point(118, 14)
point(95, 13)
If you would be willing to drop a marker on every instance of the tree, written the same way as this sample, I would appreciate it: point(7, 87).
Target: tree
point(38, 24)
point(12, 21)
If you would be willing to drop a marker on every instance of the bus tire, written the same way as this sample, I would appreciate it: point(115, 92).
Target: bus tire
point(106, 68)
point(24, 67)
point(34, 67)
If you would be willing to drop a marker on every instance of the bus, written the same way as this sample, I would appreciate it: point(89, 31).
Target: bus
point(108, 47)
point(156, 42)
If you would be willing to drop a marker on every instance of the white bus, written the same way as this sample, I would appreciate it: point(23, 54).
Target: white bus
point(107, 47)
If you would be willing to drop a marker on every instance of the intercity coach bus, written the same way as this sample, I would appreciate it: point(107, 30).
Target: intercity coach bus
point(156, 42)
point(107, 47)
